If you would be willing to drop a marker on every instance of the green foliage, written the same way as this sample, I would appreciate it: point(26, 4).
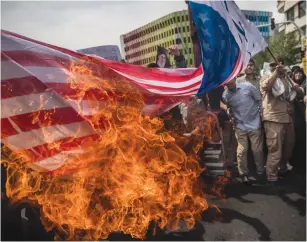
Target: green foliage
point(282, 45)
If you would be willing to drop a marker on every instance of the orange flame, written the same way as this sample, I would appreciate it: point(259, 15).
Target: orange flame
point(135, 173)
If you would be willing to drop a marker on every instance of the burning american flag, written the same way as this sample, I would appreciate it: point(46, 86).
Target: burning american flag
point(83, 142)
point(44, 92)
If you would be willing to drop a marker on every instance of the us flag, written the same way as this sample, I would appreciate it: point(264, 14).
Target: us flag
point(36, 81)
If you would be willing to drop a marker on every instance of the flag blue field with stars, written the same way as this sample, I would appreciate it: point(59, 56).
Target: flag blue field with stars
point(227, 39)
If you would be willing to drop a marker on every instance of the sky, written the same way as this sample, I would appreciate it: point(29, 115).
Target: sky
point(79, 24)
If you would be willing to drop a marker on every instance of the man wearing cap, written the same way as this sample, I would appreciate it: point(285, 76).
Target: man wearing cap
point(277, 116)
point(250, 75)
point(244, 102)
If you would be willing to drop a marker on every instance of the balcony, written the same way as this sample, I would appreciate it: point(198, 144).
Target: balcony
point(281, 6)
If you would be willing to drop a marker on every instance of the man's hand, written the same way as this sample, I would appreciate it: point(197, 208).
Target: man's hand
point(174, 50)
point(299, 90)
point(295, 86)
point(280, 69)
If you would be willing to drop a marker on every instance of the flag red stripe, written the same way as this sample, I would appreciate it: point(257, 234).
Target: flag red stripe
point(239, 62)
point(7, 128)
point(45, 118)
point(44, 151)
point(31, 58)
point(21, 86)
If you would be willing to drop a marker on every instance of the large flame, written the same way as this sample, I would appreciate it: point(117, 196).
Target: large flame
point(135, 173)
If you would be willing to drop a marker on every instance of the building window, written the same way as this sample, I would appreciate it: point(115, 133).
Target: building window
point(191, 62)
point(184, 40)
point(183, 28)
point(189, 39)
point(174, 19)
point(182, 18)
point(302, 9)
point(188, 29)
point(290, 14)
point(178, 19)
point(172, 31)
point(190, 50)
point(186, 18)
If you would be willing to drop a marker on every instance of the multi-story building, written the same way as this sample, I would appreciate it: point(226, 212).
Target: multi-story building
point(260, 18)
point(110, 52)
point(140, 45)
point(294, 11)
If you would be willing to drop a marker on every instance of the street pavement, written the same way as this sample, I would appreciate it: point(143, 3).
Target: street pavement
point(248, 212)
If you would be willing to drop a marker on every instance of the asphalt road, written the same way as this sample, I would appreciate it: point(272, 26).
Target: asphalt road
point(247, 213)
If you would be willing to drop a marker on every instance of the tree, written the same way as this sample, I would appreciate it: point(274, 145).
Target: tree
point(282, 45)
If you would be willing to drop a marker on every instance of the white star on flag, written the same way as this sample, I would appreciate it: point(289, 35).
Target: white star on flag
point(206, 46)
point(223, 44)
point(220, 57)
point(206, 33)
point(221, 28)
point(207, 62)
point(204, 17)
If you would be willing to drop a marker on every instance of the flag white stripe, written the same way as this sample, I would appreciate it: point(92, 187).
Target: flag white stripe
point(47, 135)
point(47, 101)
point(54, 162)
point(190, 91)
point(162, 83)
point(30, 103)
point(10, 70)
point(45, 74)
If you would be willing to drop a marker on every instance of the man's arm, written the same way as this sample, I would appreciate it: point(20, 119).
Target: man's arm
point(266, 84)
point(180, 61)
point(299, 90)
point(224, 98)
point(178, 56)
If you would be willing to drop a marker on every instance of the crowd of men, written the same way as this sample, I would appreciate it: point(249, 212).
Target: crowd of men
point(265, 110)
point(267, 114)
